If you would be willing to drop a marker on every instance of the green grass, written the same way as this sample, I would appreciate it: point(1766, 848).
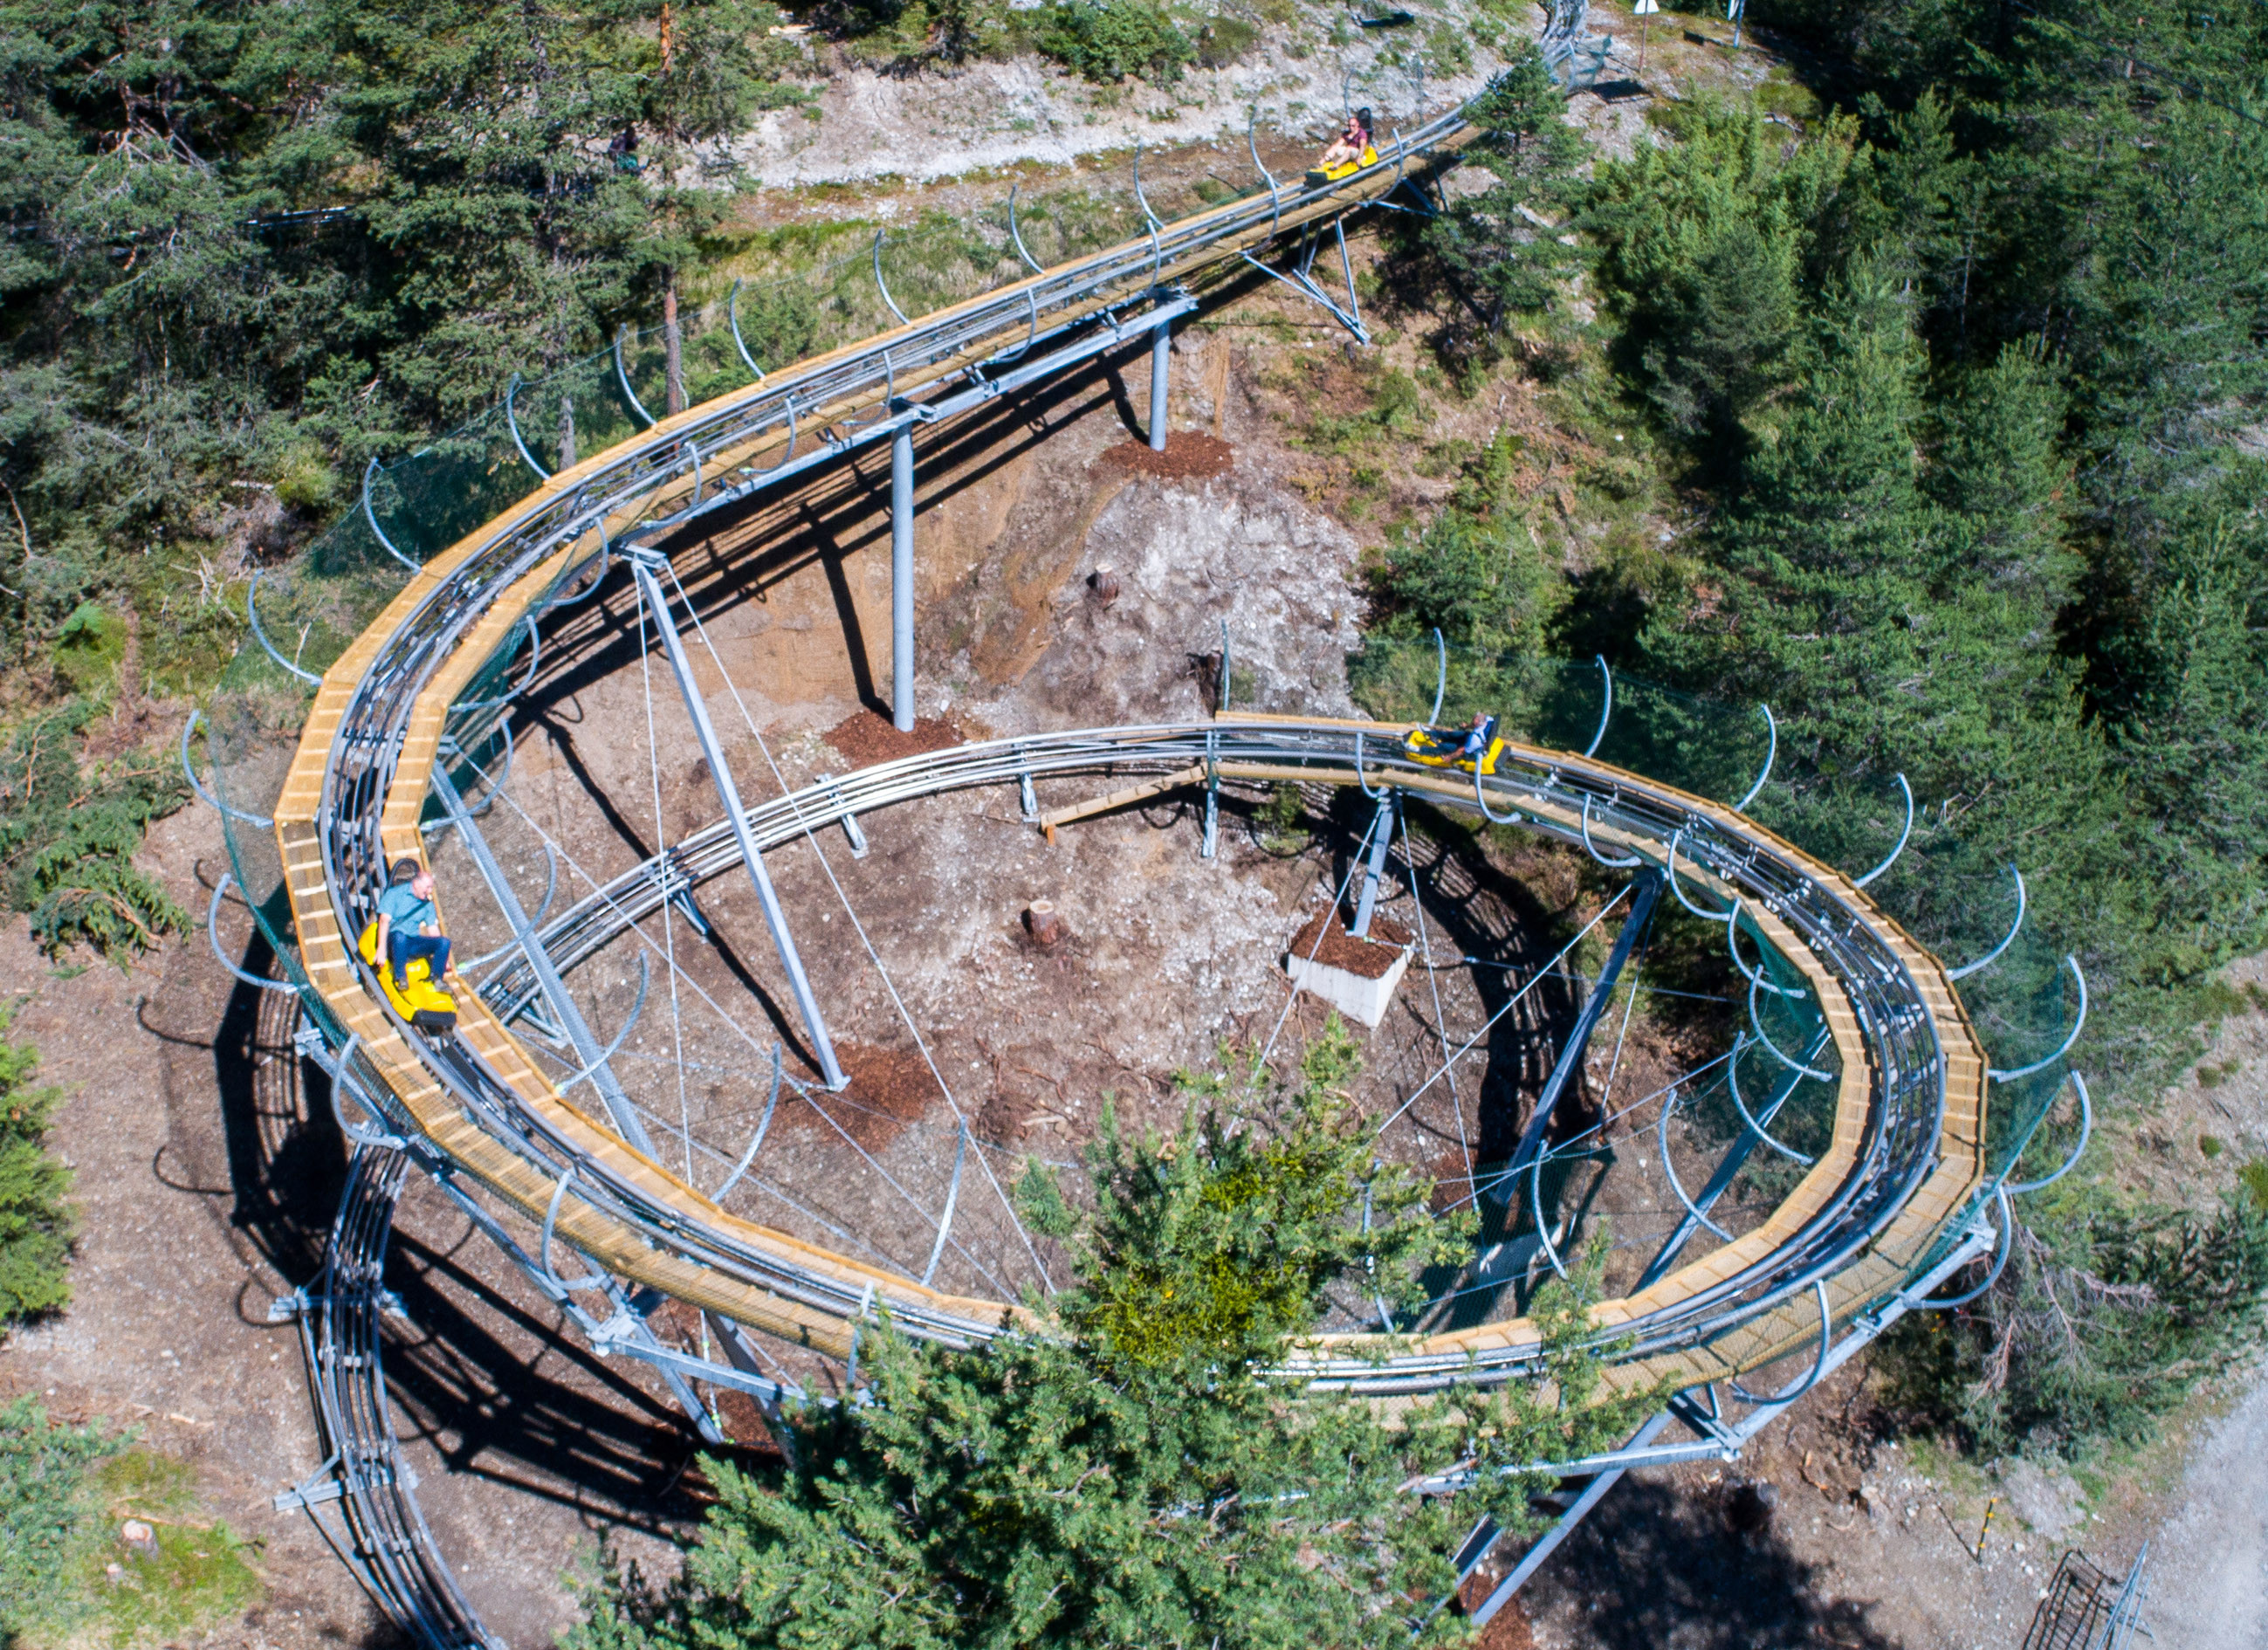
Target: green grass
point(66, 1574)
point(200, 1573)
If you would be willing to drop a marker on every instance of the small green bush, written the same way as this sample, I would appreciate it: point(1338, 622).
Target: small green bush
point(88, 647)
point(35, 1225)
point(2254, 1178)
point(68, 833)
point(50, 1519)
point(1224, 40)
point(306, 482)
point(64, 1573)
point(1109, 40)
point(2211, 1144)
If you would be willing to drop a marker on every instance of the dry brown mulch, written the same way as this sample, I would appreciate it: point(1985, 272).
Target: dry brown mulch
point(1369, 958)
point(1187, 456)
point(1508, 1628)
point(890, 1091)
point(870, 737)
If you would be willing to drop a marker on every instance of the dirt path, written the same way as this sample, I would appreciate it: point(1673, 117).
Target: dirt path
point(2209, 1561)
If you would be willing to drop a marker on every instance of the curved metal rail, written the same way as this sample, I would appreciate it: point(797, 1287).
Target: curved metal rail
point(1906, 1154)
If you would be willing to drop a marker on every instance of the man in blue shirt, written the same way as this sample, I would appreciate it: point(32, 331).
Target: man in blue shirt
point(409, 927)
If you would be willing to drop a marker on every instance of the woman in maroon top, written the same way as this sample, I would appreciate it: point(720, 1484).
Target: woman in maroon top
point(1351, 141)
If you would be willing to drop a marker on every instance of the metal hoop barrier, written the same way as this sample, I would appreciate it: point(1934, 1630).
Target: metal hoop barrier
point(733, 321)
point(1618, 864)
point(1440, 676)
point(1753, 976)
point(259, 634)
point(622, 377)
point(1480, 795)
point(2006, 939)
point(535, 658)
point(1016, 235)
point(370, 515)
point(1733, 1087)
point(1669, 864)
point(882, 286)
point(645, 973)
point(1818, 1368)
point(2000, 1261)
point(212, 937)
point(1252, 142)
point(1607, 709)
point(2077, 1026)
point(1383, 792)
point(260, 822)
point(512, 421)
point(2017, 1188)
point(592, 1280)
point(1661, 1132)
point(1904, 832)
point(1771, 752)
point(1757, 1026)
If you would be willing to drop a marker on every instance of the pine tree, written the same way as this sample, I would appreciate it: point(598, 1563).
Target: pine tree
point(1135, 1477)
point(1508, 242)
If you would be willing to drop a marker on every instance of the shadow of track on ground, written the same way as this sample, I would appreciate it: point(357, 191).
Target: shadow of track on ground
point(1658, 1565)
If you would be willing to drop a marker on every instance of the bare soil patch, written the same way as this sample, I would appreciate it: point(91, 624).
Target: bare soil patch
point(1188, 456)
point(870, 737)
point(890, 1090)
point(1324, 940)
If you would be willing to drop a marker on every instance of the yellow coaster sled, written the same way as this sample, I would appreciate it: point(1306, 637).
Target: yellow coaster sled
point(1445, 748)
point(419, 999)
point(1318, 176)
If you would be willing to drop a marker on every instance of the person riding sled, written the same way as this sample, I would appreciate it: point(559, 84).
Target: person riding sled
point(1348, 153)
point(408, 927)
point(1476, 745)
point(406, 934)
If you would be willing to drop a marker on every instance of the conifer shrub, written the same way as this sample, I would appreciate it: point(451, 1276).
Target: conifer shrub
point(1134, 1475)
point(68, 831)
point(36, 1226)
point(1109, 40)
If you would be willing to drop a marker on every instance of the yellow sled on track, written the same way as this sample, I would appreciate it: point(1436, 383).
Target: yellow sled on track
point(1445, 748)
point(419, 999)
point(1320, 175)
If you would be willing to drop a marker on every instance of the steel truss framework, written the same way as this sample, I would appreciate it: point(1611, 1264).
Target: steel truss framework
point(1898, 1202)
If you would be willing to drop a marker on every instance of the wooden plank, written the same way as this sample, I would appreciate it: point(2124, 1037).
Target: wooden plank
point(1174, 781)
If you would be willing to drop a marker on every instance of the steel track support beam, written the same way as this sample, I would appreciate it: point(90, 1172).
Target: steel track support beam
point(902, 579)
point(1381, 839)
point(1211, 844)
point(1161, 345)
point(1645, 888)
point(728, 792)
point(1478, 1545)
point(588, 1050)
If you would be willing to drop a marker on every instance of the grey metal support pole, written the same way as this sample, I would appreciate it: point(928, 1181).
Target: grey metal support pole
point(729, 794)
point(1645, 888)
point(1211, 844)
point(901, 579)
point(1548, 1542)
point(1161, 343)
point(588, 1050)
point(1381, 832)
